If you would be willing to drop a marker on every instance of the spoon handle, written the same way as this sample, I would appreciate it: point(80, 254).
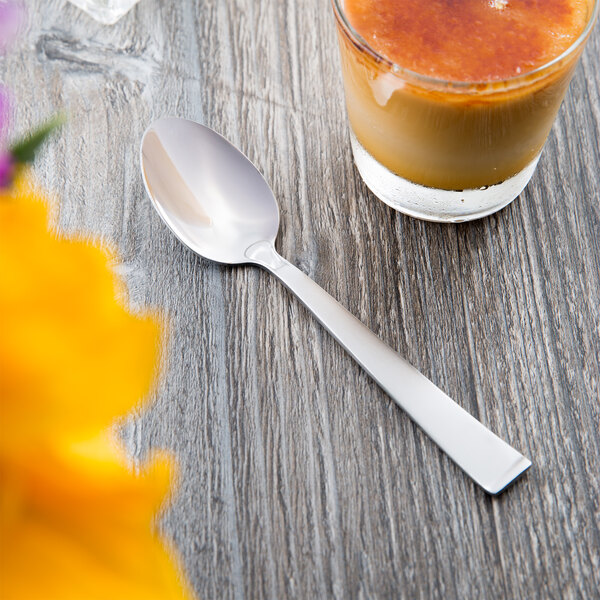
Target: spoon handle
point(487, 459)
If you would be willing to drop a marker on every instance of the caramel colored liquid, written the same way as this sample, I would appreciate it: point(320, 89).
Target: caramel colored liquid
point(451, 137)
point(469, 40)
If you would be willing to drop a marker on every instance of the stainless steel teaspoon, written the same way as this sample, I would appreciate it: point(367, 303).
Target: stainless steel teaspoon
point(218, 204)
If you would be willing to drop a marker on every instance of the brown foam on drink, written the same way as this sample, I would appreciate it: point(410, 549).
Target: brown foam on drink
point(469, 40)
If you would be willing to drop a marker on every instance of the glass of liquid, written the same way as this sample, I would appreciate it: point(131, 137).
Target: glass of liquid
point(450, 103)
point(105, 11)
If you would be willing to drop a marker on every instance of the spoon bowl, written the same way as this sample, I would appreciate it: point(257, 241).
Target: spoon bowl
point(209, 194)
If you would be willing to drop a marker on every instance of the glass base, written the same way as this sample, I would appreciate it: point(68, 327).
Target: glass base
point(107, 12)
point(430, 204)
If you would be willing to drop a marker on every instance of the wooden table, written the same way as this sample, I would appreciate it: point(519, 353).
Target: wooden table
point(299, 477)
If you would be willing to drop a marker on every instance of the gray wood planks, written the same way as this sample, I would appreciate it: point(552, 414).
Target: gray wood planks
point(299, 477)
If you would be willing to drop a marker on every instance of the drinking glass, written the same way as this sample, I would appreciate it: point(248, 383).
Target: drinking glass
point(444, 150)
point(105, 11)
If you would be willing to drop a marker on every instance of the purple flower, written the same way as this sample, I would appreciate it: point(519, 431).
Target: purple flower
point(7, 168)
point(4, 114)
point(12, 16)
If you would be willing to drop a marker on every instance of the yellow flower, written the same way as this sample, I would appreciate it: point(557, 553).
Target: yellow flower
point(75, 522)
point(72, 357)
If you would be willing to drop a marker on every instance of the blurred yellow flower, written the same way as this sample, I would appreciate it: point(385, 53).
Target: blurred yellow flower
point(75, 522)
point(72, 357)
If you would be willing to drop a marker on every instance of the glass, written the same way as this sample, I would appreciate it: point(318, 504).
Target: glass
point(105, 11)
point(442, 150)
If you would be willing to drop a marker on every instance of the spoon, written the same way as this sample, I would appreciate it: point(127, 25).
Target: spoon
point(218, 204)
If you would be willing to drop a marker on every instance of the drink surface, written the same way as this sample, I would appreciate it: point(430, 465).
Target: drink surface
point(469, 40)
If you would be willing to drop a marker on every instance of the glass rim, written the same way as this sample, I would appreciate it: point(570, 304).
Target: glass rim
point(513, 81)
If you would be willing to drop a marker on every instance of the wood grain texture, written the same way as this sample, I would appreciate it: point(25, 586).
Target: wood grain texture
point(299, 477)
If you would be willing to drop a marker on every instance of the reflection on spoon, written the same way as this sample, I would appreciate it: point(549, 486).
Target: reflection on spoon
point(165, 182)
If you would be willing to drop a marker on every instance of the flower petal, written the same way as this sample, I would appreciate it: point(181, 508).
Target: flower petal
point(72, 357)
point(85, 523)
point(12, 18)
